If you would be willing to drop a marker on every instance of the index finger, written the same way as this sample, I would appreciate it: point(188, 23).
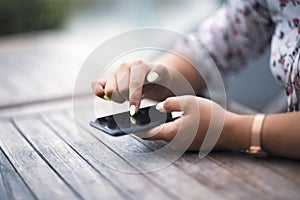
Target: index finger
point(136, 82)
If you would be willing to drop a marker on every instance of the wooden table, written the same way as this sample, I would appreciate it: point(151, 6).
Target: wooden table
point(42, 157)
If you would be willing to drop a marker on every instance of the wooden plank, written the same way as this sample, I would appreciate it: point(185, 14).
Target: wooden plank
point(217, 178)
point(11, 185)
point(290, 169)
point(70, 166)
point(209, 173)
point(168, 178)
point(253, 172)
point(98, 155)
point(41, 179)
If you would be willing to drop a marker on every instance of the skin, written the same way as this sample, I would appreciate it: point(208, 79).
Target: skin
point(280, 132)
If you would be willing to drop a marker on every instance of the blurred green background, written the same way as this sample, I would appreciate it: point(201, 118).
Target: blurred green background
point(22, 16)
point(17, 16)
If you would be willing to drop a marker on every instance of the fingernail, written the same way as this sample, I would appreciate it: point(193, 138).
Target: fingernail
point(132, 120)
point(160, 107)
point(105, 97)
point(152, 76)
point(132, 110)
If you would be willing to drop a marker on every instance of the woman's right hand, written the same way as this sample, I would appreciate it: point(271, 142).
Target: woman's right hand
point(132, 81)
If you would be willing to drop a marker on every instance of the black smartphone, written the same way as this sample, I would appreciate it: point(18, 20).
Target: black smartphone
point(122, 123)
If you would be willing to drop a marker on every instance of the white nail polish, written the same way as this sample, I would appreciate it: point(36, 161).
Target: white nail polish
point(160, 107)
point(152, 76)
point(132, 110)
point(132, 120)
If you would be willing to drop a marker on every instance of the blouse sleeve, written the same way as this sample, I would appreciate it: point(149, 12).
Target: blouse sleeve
point(240, 30)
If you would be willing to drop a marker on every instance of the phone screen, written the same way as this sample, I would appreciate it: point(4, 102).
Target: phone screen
point(123, 123)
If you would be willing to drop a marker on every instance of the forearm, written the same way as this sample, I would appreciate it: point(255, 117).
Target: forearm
point(280, 134)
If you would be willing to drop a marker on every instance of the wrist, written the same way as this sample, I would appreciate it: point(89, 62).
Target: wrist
point(236, 132)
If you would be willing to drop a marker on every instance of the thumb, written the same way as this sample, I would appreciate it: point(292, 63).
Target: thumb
point(173, 104)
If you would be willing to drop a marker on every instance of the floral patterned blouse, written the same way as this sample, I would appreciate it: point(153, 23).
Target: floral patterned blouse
point(242, 29)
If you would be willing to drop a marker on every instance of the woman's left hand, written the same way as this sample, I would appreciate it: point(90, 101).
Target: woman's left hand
point(193, 124)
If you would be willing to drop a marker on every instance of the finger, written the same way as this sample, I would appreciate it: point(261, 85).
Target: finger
point(122, 76)
point(173, 104)
point(158, 73)
point(157, 76)
point(98, 89)
point(166, 131)
point(136, 81)
point(111, 90)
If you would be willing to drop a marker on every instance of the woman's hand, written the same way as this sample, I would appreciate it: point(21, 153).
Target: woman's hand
point(280, 133)
point(194, 124)
point(132, 81)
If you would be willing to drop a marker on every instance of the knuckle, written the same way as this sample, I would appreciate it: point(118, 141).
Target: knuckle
point(138, 62)
point(98, 91)
point(135, 99)
point(167, 105)
point(124, 66)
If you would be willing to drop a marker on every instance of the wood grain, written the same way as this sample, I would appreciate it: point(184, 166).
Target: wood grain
point(209, 173)
point(36, 173)
point(252, 171)
point(170, 178)
point(71, 167)
point(104, 159)
point(11, 184)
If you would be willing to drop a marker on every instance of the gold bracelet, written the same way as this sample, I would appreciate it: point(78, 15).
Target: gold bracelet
point(256, 132)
